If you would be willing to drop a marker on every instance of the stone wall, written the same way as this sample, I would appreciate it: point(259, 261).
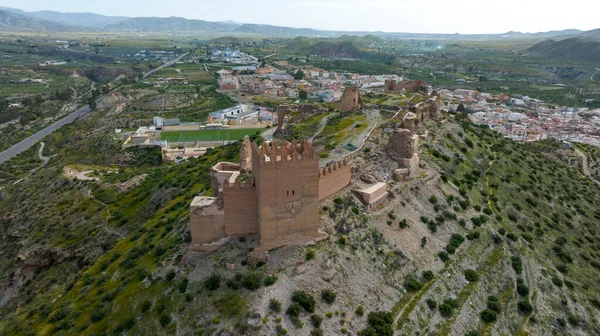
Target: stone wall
point(392, 85)
point(334, 177)
point(206, 221)
point(240, 209)
point(350, 100)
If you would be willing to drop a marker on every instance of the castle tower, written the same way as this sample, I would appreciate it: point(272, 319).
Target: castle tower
point(286, 179)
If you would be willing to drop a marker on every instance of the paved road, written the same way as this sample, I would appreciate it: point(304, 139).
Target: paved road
point(165, 65)
point(32, 140)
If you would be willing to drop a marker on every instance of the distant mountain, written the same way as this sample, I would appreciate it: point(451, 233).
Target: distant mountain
point(548, 34)
point(170, 24)
point(287, 31)
point(591, 34)
point(15, 22)
point(87, 20)
point(574, 49)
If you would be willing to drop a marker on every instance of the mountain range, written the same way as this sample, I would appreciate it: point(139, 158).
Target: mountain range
point(12, 19)
point(584, 47)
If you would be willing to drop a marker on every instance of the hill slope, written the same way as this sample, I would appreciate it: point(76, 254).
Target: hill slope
point(346, 46)
point(87, 20)
point(16, 22)
point(170, 24)
point(517, 228)
point(574, 49)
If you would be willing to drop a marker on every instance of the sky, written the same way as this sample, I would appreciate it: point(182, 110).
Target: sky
point(413, 16)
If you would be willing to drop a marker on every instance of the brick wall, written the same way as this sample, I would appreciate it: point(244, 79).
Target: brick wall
point(334, 177)
point(206, 224)
point(240, 209)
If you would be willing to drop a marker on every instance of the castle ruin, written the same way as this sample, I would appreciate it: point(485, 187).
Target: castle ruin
point(351, 101)
point(273, 192)
point(392, 85)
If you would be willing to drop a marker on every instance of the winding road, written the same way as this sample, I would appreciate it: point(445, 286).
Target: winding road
point(32, 140)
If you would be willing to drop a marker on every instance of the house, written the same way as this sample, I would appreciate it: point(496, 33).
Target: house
point(229, 83)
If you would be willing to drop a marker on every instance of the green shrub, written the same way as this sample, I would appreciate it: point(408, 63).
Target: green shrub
point(444, 256)
point(403, 224)
point(522, 288)
point(275, 305)
point(145, 306)
point(489, 316)
point(213, 282)
point(294, 309)
point(413, 285)
point(310, 254)
point(524, 307)
point(270, 280)
point(305, 300)
point(328, 296)
point(557, 282)
point(517, 265)
point(360, 311)
point(251, 281)
point(470, 275)
point(431, 303)
point(171, 275)
point(428, 275)
point(164, 320)
point(316, 320)
point(379, 323)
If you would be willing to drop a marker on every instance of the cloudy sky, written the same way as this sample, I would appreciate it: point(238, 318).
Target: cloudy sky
point(415, 16)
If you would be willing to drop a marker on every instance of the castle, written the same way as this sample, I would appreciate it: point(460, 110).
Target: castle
point(273, 192)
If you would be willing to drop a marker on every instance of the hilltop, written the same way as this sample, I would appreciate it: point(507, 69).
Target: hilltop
point(86, 20)
point(346, 46)
point(492, 236)
point(574, 49)
point(16, 22)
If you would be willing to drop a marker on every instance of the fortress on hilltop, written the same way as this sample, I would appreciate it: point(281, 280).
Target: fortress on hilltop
point(273, 192)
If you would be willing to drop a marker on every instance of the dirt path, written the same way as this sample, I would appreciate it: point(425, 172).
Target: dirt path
point(586, 169)
point(322, 125)
point(44, 159)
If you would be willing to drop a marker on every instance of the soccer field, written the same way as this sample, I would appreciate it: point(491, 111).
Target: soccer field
point(208, 135)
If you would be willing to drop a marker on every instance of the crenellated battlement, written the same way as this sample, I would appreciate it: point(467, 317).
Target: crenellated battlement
point(269, 152)
point(333, 166)
point(240, 182)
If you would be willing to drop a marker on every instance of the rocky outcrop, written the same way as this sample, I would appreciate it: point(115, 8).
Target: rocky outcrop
point(257, 256)
point(42, 257)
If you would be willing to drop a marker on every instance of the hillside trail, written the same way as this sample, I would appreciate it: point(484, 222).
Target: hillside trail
point(44, 159)
point(584, 164)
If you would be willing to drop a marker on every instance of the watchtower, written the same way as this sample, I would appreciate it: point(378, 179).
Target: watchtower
point(286, 179)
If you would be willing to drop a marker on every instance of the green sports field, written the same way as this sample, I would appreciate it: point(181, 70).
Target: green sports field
point(208, 135)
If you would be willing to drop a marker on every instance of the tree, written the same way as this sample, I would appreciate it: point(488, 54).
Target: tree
point(303, 94)
point(92, 103)
point(461, 108)
point(299, 75)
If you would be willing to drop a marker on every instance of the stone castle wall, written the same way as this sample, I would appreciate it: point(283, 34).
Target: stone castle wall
point(350, 100)
point(334, 177)
point(287, 186)
point(206, 224)
point(241, 218)
point(409, 86)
